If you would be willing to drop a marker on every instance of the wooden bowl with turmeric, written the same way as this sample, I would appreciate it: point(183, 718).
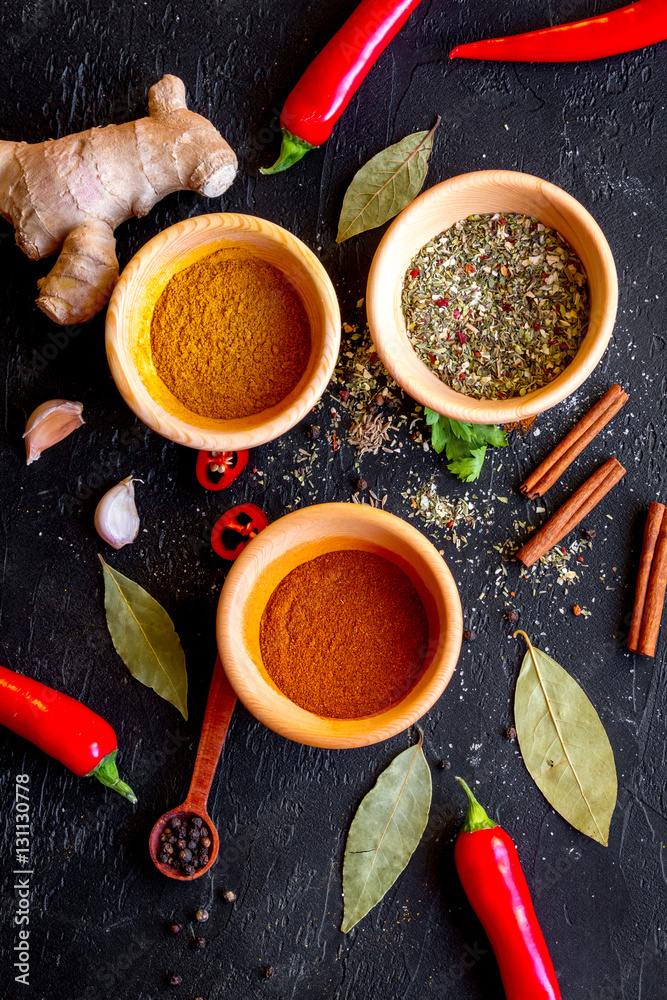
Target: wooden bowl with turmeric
point(339, 625)
point(222, 332)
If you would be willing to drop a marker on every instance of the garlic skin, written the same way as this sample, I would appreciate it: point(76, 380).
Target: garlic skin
point(116, 518)
point(50, 423)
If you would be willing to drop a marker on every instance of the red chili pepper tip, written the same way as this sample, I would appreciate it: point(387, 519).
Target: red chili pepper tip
point(414, 273)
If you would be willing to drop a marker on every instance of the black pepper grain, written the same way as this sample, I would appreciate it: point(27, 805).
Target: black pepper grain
point(200, 943)
point(201, 915)
point(269, 972)
point(176, 928)
point(175, 980)
point(469, 635)
point(229, 896)
point(510, 733)
point(512, 616)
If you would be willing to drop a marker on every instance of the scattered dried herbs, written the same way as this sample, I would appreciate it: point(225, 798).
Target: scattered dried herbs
point(464, 444)
point(564, 745)
point(496, 306)
point(386, 184)
point(385, 831)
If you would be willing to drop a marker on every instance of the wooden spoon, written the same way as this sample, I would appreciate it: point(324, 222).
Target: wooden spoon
point(219, 708)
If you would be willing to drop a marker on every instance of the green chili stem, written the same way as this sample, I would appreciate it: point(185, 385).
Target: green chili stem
point(292, 150)
point(476, 817)
point(107, 772)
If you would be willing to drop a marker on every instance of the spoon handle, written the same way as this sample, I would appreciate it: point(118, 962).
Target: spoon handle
point(219, 708)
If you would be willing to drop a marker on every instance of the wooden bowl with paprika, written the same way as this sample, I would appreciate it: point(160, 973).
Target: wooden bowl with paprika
point(339, 626)
point(223, 332)
point(485, 193)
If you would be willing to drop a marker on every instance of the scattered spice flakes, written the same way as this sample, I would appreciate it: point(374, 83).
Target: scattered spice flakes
point(520, 426)
point(496, 306)
point(360, 381)
point(370, 434)
point(444, 512)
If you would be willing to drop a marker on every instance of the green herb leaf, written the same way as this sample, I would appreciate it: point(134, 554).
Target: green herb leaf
point(464, 431)
point(385, 831)
point(491, 434)
point(145, 639)
point(456, 449)
point(564, 745)
point(439, 437)
point(469, 468)
point(386, 184)
point(431, 417)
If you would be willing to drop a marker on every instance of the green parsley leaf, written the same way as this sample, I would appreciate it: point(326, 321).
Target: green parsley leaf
point(431, 417)
point(439, 436)
point(469, 468)
point(456, 449)
point(466, 432)
point(491, 434)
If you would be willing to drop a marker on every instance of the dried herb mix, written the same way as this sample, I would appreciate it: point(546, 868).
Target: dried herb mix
point(496, 305)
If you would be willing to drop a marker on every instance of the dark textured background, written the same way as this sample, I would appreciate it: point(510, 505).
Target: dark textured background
point(99, 909)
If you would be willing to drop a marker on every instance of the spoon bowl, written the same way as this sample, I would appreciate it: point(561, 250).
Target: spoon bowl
point(219, 708)
point(187, 808)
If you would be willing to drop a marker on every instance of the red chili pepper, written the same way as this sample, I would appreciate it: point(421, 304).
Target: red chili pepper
point(240, 524)
point(491, 874)
point(326, 88)
point(62, 727)
point(216, 470)
point(632, 27)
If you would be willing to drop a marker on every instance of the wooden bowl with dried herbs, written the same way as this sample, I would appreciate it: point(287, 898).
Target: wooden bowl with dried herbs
point(492, 296)
point(222, 332)
point(339, 626)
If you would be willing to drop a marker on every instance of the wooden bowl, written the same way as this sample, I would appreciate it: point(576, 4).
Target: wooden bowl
point(295, 539)
point(486, 191)
point(140, 286)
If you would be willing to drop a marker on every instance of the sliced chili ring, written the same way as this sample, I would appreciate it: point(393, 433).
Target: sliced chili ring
point(216, 470)
point(238, 526)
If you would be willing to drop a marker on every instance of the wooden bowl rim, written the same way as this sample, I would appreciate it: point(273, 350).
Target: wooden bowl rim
point(311, 729)
point(391, 342)
point(224, 437)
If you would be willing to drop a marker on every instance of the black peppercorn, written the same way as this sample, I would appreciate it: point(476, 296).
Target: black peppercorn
point(361, 484)
point(168, 848)
point(204, 832)
point(181, 844)
point(205, 842)
point(176, 928)
point(510, 733)
point(269, 972)
point(163, 858)
point(469, 635)
point(189, 870)
point(443, 765)
point(590, 532)
point(201, 915)
point(512, 616)
point(185, 855)
point(200, 943)
point(175, 980)
point(314, 432)
point(192, 845)
point(229, 896)
point(197, 821)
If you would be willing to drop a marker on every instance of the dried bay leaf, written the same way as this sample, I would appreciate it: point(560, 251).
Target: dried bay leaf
point(564, 744)
point(385, 831)
point(145, 639)
point(386, 184)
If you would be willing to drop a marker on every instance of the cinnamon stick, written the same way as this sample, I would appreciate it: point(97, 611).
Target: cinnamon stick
point(572, 512)
point(656, 512)
point(554, 465)
point(655, 596)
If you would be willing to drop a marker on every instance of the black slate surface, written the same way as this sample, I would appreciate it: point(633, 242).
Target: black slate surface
point(99, 910)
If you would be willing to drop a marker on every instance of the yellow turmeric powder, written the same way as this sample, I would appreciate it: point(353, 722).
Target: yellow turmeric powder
point(230, 336)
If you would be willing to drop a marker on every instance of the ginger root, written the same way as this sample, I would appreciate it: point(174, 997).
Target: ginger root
point(71, 193)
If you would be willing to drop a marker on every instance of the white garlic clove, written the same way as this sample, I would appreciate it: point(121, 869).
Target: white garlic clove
point(116, 518)
point(50, 423)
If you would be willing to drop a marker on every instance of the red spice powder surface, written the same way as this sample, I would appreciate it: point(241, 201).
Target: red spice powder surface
point(345, 635)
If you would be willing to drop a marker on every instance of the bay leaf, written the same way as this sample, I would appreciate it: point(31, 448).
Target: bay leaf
point(386, 184)
point(564, 744)
point(145, 638)
point(385, 831)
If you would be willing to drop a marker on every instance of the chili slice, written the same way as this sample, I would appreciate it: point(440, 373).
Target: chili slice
point(216, 470)
point(632, 27)
point(238, 525)
point(328, 85)
point(62, 727)
point(490, 871)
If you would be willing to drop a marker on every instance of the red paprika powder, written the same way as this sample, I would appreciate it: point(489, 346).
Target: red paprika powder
point(345, 635)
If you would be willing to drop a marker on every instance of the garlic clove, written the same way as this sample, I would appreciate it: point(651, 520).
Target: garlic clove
point(116, 518)
point(50, 423)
